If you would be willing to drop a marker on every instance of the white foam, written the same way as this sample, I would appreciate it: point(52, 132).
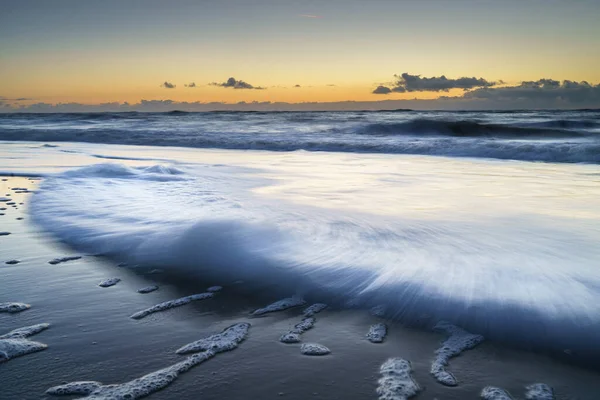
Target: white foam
point(15, 343)
point(319, 221)
point(13, 307)
point(132, 390)
point(171, 304)
point(293, 336)
point(12, 262)
point(314, 309)
point(495, 393)
point(227, 340)
point(314, 349)
point(377, 333)
point(109, 282)
point(378, 311)
point(458, 341)
point(290, 337)
point(63, 259)
point(539, 391)
point(396, 382)
point(281, 305)
point(214, 289)
point(148, 289)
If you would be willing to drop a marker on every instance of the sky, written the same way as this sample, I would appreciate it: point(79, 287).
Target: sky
point(444, 54)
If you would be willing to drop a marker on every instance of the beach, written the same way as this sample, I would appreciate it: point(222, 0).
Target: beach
point(92, 336)
point(477, 271)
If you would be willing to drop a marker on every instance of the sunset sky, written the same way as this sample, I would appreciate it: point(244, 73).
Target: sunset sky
point(90, 52)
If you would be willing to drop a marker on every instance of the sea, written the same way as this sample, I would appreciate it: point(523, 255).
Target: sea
point(488, 220)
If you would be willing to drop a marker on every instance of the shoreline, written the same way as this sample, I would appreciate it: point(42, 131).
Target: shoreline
point(92, 336)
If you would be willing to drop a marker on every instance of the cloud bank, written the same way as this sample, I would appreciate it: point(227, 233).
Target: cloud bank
point(568, 93)
point(237, 84)
point(415, 83)
point(527, 95)
point(190, 85)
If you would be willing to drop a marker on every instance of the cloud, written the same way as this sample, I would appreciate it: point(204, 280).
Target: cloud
point(237, 84)
point(15, 99)
point(297, 86)
point(543, 91)
point(309, 16)
point(168, 85)
point(415, 83)
point(331, 84)
point(190, 85)
point(540, 94)
point(382, 90)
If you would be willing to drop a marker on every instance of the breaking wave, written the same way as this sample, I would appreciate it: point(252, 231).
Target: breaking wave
point(561, 136)
point(526, 278)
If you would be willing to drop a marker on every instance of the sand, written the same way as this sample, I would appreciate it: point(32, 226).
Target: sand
point(93, 338)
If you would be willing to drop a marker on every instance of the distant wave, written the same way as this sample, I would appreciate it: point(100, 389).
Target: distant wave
point(571, 137)
point(473, 129)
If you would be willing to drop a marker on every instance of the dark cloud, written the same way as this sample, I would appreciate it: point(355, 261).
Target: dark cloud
point(168, 85)
point(415, 83)
point(331, 84)
point(297, 86)
point(544, 92)
point(540, 94)
point(15, 99)
point(190, 85)
point(237, 84)
point(382, 90)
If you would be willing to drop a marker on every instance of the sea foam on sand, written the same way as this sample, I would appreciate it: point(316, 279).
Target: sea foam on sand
point(15, 343)
point(396, 382)
point(458, 341)
point(171, 304)
point(138, 388)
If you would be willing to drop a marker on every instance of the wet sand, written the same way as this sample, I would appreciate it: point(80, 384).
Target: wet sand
point(92, 336)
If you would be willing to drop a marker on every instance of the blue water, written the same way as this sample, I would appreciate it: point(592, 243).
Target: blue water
point(551, 136)
point(495, 243)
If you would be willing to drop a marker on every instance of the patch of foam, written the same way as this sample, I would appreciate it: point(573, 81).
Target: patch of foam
point(281, 305)
point(378, 311)
point(109, 282)
point(12, 262)
point(293, 336)
point(495, 393)
point(13, 307)
point(214, 289)
point(148, 289)
point(171, 304)
point(458, 341)
point(314, 349)
point(15, 343)
point(396, 382)
point(227, 340)
point(132, 390)
point(377, 333)
point(539, 391)
point(314, 309)
point(63, 259)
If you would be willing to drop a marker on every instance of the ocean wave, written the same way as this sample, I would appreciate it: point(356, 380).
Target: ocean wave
point(565, 137)
point(467, 129)
point(517, 279)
